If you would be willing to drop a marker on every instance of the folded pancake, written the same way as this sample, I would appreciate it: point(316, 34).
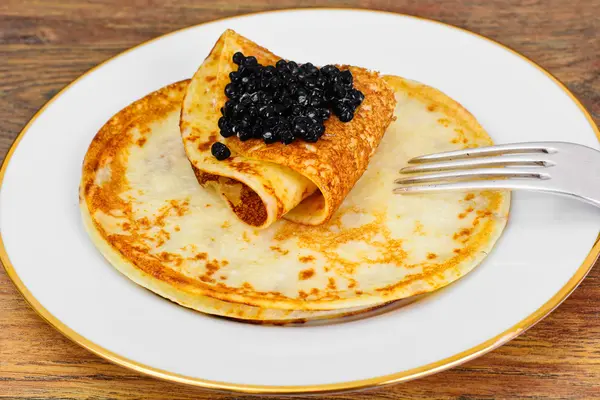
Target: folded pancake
point(303, 182)
point(146, 212)
point(136, 188)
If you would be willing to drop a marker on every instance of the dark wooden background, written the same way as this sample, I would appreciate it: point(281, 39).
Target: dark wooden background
point(44, 45)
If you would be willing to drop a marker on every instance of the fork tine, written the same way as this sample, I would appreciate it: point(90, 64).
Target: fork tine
point(531, 160)
point(526, 184)
point(486, 151)
point(478, 173)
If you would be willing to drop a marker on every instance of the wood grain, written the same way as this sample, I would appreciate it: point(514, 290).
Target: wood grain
point(46, 44)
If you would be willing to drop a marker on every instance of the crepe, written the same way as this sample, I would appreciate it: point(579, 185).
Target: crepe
point(147, 214)
point(262, 183)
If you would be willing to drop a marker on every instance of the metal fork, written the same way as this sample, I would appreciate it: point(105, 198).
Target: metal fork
point(561, 168)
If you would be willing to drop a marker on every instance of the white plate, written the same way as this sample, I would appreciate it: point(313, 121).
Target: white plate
point(548, 247)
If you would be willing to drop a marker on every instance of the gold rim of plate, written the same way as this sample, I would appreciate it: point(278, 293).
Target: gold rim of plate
point(403, 376)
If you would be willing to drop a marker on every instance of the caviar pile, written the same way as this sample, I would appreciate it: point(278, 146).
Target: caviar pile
point(284, 102)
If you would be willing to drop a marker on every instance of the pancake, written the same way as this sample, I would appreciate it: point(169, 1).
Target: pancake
point(148, 215)
point(262, 183)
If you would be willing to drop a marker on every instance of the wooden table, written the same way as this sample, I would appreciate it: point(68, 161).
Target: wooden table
point(46, 44)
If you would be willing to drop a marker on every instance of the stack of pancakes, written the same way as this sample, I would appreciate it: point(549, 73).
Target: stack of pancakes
point(283, 233)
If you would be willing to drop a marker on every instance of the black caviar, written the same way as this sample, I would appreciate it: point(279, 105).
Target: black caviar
point(220, 151)
point(285, 102)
